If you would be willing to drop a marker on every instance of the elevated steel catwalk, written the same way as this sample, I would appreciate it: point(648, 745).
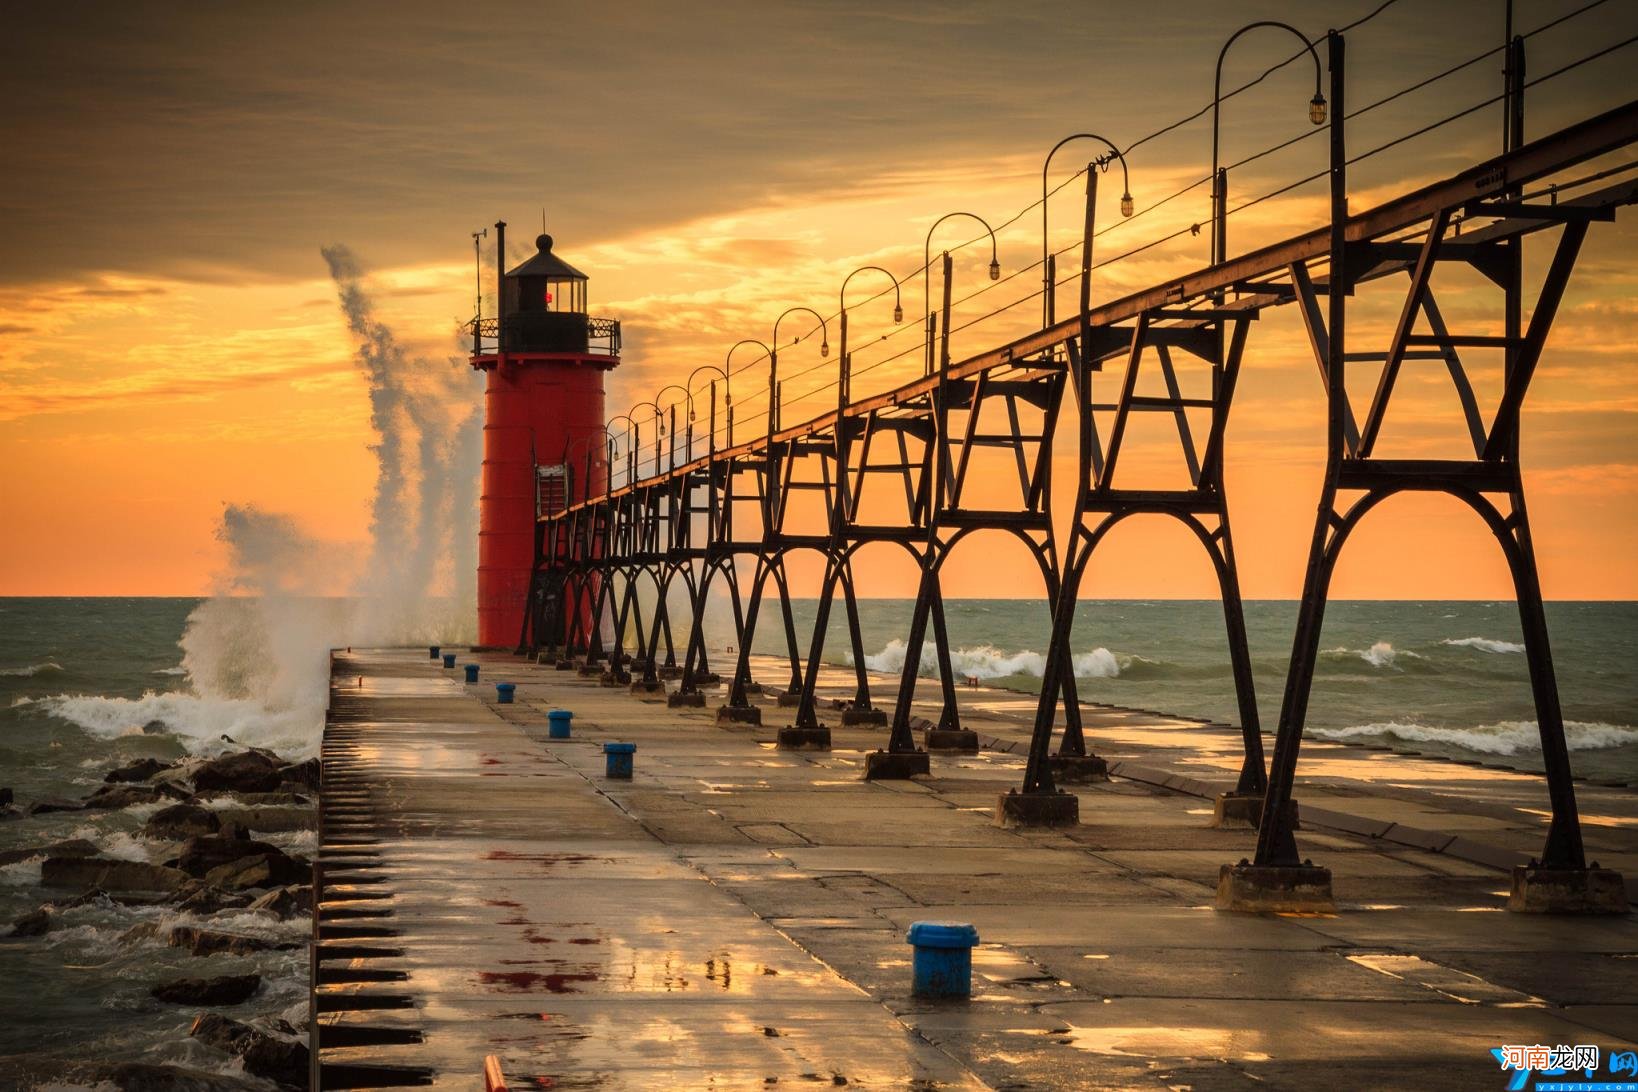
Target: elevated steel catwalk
point(694, 522)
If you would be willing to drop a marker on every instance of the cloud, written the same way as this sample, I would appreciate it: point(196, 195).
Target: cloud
point(223, 143)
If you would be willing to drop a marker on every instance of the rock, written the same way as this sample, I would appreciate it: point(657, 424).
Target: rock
point(5, 796)
point(89, 895)
point(264, 870)
point(285, 902)
point(204, 852)
point(8, 811)
point(199, 897)
point(46, 807)
point(243, 771)
point(35, 923)
point(145, 1077)
point(205, 942)
point(109, 874)
point(282, 1061)
point(122, 796)
point(272, 799)
point(74, 847)
point(227, 989)
point(181, 821)
point(301, 773)
point(140, 770)
point(271, 820)
point(155, 728)
point(222, 1032)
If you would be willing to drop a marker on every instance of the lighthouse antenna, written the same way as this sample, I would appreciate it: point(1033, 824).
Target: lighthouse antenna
point(477, 311)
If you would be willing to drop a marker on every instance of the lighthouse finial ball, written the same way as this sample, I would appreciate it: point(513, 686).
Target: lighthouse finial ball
point(543, 243)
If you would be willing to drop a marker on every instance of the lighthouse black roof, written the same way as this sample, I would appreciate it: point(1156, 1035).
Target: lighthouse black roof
point(548, 265)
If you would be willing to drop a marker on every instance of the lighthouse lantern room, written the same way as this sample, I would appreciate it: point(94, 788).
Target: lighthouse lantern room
point(543, 357)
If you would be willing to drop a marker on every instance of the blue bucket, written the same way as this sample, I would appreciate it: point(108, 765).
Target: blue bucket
point(449, 659)
point(943, 961)
point(471, 672)
point(503, 692)
point(617, 760)
point(557, 724)
point(432, 651)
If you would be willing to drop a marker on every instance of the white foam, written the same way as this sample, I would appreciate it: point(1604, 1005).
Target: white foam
point(31, 670)
point(17, 703)
point(1483, 644)
point(119, 844)
point(177, 670)
point(25, 873)
point(199, 723)
point(1508, 737)
point(989, 662)
point(1380, 654)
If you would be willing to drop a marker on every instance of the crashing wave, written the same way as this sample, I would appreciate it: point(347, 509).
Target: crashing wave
point(198, 723)
point(1380, 654)
point(1483, 644)
point(989, 662)
point(1508, 737)
point(31, 670)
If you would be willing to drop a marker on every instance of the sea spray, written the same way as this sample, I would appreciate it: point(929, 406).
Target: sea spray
point(255, 653)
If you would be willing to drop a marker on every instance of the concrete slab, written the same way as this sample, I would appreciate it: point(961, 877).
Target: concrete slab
point(735, 916)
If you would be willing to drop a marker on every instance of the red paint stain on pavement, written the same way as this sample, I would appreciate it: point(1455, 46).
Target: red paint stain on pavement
point(526, 981)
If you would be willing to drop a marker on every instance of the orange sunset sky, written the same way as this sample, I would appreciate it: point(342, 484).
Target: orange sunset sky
point(170, 340)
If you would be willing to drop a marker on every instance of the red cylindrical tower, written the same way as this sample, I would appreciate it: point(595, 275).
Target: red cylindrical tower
point(543, 423)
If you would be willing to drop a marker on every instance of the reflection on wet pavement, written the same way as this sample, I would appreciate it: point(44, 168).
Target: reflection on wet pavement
point(734, 916)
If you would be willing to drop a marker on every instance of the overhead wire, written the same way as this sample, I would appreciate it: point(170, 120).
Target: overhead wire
point(925, 269)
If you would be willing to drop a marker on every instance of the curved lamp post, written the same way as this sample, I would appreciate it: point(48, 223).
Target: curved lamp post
point(927, 273)
point(1048, 269)
point(767, 352)
point(671, 448)
point(773, 360)
point(845, 376)
point(711, 437)
point(1219, 179)
point(630, 447)
point(659, 430)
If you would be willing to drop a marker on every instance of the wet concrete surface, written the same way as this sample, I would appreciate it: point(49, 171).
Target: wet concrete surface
point(734, 916)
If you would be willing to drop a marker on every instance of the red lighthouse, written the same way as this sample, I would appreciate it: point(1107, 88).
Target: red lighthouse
point(544, 359)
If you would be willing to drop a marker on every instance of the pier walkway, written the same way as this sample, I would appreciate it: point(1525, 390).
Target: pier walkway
point(734, 916)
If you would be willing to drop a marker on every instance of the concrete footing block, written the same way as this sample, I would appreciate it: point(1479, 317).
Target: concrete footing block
point(896, 765)
point(686, 699)
point(739, 714)
point(669, 671)
point(566, 665)
point(637, 663)
point(706, 678)
point(640, 686)
point(792, 738)
point(790, 699)
point(874, 717)
point(958, 740)
point(587, 670)
point(1298, 889)
point(1244, 811)
point(1078, 769)
point(614, 676)
point(1037, 809)
point(1567, 891)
